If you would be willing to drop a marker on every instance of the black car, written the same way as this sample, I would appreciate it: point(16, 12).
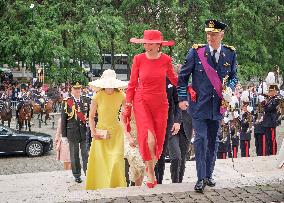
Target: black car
point(30, 143)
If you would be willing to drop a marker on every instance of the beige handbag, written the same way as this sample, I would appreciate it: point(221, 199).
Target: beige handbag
point(103, 133)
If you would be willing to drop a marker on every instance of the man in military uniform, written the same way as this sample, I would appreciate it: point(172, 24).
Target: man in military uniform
point(87, 102)
point(73, 125)
point(208, 64)
point(223, 139)
point(38, 98)
point(3, 95)
point(234, 137)
point(246, 130)
point(270, 119)
point(23, 97)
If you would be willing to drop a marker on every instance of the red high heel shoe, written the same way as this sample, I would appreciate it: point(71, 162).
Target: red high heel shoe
point(155, 183)
point(150, 185)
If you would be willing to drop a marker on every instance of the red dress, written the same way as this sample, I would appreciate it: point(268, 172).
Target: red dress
point(147, 90)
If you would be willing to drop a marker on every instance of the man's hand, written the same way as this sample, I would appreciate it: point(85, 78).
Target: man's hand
point(261, 98)
point(175, 128)
point(183, 105)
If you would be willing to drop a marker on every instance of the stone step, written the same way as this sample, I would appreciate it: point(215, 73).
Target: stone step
point(59, 186)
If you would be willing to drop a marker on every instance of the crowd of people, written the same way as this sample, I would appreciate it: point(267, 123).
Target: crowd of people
point(161, 110)
point(20, 92)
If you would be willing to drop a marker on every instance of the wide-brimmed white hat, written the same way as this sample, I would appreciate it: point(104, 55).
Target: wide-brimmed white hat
point(108, 80)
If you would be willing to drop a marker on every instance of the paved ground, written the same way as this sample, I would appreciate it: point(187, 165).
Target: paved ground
point(267, 193)
point(23, 164)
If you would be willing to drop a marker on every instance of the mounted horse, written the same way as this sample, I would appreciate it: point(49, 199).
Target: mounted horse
point(56, 98)
point(38, 103)
point(43, 108)
point(25, 115)
point(5, 111)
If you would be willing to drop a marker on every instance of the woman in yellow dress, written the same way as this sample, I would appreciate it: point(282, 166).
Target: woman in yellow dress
point(106, 167)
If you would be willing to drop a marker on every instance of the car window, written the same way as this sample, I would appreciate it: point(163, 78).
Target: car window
point(3, 131)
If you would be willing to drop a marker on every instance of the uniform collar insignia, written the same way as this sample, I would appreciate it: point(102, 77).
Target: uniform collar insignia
point(227, 64)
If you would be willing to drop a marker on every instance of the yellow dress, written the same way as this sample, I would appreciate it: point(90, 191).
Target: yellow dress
point(106, 168)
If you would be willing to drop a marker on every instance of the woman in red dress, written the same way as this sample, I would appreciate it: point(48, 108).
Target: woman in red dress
point(146, 92)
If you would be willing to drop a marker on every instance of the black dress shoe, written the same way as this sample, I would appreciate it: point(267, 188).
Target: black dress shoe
point(78, 180)
point(199, 186)
point(210, 182)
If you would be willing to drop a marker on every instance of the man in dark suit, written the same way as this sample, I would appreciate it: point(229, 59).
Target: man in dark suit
point(74, 129)
point(178, 148)
point(209, 65)
point(173, 126)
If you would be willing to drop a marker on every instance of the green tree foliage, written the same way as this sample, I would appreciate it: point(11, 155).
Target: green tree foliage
point(66, 34)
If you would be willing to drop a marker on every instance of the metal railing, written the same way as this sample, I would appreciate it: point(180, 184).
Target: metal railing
point(14, 104)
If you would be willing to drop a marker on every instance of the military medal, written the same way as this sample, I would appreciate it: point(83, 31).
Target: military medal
point(227, 64)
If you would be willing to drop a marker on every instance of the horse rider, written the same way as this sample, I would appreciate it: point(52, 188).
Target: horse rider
point(39, 97)
point(23, 97)
point(3, 95)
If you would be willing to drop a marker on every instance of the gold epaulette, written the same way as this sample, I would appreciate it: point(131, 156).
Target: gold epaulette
point(230, 47)
point(196, 46)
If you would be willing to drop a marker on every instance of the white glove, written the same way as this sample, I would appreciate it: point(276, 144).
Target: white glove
point(238, 134)
point(192, 140)
point(249, 108)
point(261, 98)
point(227, 94)
point(236, 114)
point(226, 119)
point(230, 117)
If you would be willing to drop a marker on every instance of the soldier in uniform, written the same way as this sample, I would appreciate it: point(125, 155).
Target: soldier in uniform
point(270, 118)
point(87, 102)
point(246, 125)
point(73, 123)
point(259, 134)
point(23, 97)
point(208, 64)
point(38, 97)
point(223, 139)
point(3, 95)
point(234, 135)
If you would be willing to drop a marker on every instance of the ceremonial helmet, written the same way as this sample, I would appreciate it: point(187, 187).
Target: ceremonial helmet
point(245, 100)
point(262, 88)
point(270, 80)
